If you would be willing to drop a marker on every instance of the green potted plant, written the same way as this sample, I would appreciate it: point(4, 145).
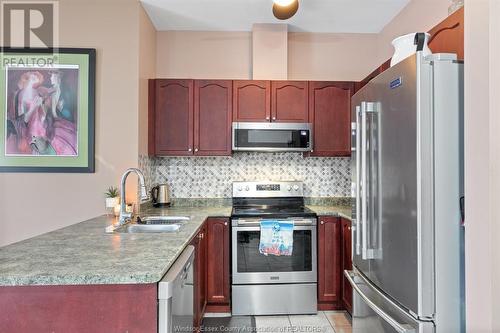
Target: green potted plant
point(112, 197)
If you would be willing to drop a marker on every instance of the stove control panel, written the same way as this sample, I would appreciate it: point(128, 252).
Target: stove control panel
point(268, 189)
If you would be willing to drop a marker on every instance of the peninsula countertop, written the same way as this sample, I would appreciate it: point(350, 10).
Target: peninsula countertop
point(83, 254)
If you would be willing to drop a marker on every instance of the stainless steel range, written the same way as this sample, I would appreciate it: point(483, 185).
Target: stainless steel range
point(268, 284)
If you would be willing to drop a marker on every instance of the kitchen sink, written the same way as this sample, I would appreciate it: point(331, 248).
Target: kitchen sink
point(159, 220)
point(134, 228)
point(152, 224)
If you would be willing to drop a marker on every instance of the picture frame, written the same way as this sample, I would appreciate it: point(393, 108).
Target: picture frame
point(47, 110)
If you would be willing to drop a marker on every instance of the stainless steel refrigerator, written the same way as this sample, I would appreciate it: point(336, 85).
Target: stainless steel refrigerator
point(407, 178)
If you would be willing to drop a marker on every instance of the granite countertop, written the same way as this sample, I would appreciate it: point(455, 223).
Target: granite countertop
point(83, 254)
point(344, 211)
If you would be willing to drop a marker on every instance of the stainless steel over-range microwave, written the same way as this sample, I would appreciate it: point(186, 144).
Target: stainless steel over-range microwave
point(272, 137)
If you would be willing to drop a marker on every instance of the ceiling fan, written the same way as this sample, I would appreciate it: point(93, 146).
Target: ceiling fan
point(285, 9)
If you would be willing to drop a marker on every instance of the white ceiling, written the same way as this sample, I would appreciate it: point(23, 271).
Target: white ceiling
point(340, 16)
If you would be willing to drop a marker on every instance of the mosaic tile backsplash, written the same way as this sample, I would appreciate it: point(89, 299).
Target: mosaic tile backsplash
point(211, 177)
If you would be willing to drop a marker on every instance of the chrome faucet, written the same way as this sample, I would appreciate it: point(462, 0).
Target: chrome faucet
point(124, 216)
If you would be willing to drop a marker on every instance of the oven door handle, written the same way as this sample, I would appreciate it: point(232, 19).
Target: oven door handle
point(256, 222)
point(257, 228)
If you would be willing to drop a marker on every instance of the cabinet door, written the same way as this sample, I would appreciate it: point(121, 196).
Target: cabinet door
point(329, 112)
point(218, 261)
point(289, 101)
point(200, 272)
point(251, 101)
point(329, 262)
point(174, 117)
point(448, 36)
point(212, 117)
point(346, 263)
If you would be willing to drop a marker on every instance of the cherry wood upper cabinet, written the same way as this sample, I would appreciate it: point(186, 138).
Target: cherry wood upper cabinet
point(212, 117)
point(329, 263)
point(448, 36)
point(330, 114)
point(346, 263)
point(173, 116)
point(251, 101)
point(218, 264)
point(289, 101)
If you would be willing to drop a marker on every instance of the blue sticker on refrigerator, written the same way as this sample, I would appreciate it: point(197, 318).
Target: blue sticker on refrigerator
point(396, 83)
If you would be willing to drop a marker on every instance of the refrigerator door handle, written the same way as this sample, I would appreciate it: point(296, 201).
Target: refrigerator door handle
point(363, 183)
point(373, 248)
point(401, 328)
point(358, 185)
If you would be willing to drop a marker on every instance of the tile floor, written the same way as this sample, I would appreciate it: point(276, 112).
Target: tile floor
point(323, 322)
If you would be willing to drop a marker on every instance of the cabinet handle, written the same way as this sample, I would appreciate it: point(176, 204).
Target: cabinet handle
point(312, 150)
point(322, 222)
point(267, 118)
point(274, 118)
point(225, 223)
point(189, 149)
point(196, 149)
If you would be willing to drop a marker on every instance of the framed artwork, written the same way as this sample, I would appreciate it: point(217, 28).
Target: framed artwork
point(47, 110)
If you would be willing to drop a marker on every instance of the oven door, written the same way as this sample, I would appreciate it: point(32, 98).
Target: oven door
point(272, 137)
point(249, 266)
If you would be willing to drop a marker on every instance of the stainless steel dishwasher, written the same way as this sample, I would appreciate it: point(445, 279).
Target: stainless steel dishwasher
point(175, 295)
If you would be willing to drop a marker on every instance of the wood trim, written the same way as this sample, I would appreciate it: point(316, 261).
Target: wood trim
point(218, 308)
point(151, 116)
point(330, 306)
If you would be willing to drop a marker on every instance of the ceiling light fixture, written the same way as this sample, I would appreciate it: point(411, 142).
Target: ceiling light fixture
point(284, 9)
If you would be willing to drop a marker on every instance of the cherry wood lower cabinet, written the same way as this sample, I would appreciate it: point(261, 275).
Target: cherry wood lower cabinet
point(218, 284)
point(82, 308)
point(200, 275)
point(329, 263)
point(346, 263)
point(330, 114)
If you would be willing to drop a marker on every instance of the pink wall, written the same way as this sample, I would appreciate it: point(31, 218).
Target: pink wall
point(147, 70)
point(228, 55)
point(34, 203)
point(311, 56)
